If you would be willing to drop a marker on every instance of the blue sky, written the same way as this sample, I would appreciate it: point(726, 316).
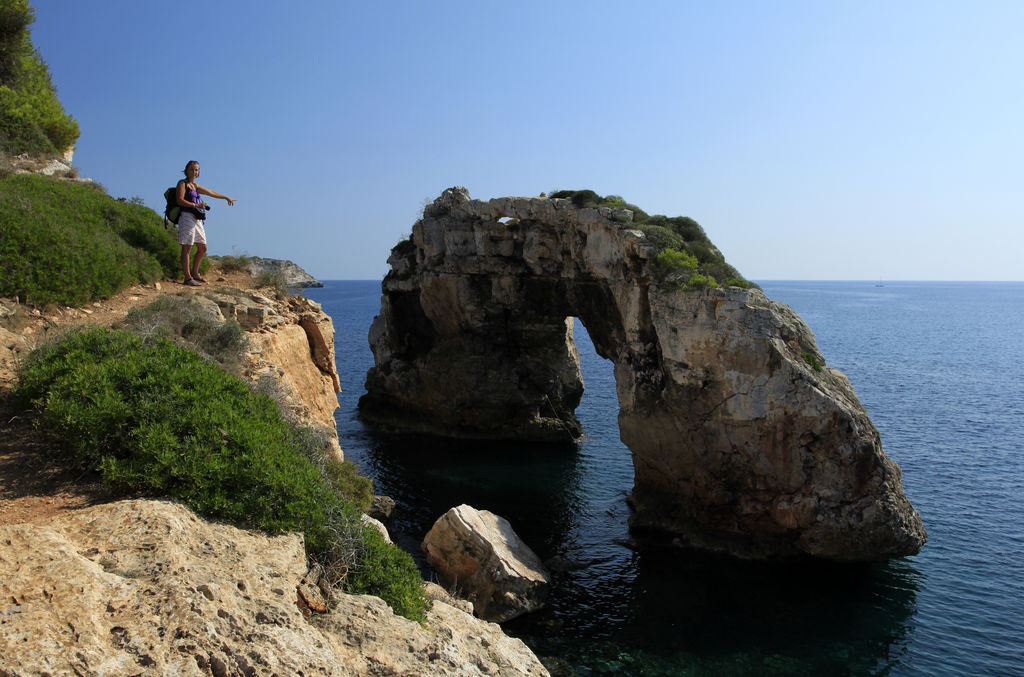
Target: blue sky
point(812, 140)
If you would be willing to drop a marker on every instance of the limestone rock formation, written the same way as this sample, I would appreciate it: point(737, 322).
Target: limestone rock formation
point(743, 440)
point(294, 277)
point(477, 553)
point(147, 588)
point(49, 165)
point(291, 349)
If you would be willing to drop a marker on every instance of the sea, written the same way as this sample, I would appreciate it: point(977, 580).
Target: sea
point(939, 367)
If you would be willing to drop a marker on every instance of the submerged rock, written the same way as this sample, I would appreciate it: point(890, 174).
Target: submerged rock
point(743, 439)
point(478, 554)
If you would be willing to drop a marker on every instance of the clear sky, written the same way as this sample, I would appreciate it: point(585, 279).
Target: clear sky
point(812, 140)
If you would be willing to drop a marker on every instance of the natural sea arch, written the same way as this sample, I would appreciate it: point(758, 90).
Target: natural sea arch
point(742, 440)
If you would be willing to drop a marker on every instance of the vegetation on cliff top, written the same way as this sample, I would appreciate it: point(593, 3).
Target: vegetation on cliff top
point(32, 119)
point(70, 243)
point(685, 255)
point(159, 420)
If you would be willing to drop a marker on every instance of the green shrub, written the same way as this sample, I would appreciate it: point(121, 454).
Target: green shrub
point(347, 481)
point(64, 242)
point(812, 360)
point(688, 229)
point(191, 324)
point(342, 476)
point(735, 282)
point(188, 322)
point(32, 119)
point(389, 573)
point(704, 252)
point(273, 280)
point(233, 263)
point(157, 419)
point(670, 261)
point(699, 281)
point(720, 269)
point(662, 238)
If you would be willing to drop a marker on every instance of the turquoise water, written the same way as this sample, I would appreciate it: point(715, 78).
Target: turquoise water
point(939, 368)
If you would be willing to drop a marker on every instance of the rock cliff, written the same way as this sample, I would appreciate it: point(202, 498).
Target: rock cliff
point(147, 588)
point(290, 349)
point(291, 343)
point(743, 440)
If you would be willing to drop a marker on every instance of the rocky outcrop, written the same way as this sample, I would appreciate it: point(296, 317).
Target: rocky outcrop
point(147, 588)
point(292, 275)
point(50, 165)
point(743, 440)
point(290, 351)
point(478, 554)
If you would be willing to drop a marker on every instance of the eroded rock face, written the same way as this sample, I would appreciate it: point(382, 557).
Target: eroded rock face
point(147, 588)
point(742, 439)
point(479, 554)
point(291, 347)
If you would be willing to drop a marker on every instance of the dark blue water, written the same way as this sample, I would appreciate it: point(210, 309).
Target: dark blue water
point(938, 367)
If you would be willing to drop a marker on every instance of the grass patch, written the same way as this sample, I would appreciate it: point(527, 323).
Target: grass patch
point(233, 264)
point(68, 243)
point(193, 323)
point(274, 280)
point(156, 419)
point(812, 360)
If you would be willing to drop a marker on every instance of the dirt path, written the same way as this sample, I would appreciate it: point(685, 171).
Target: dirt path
point(37, 481)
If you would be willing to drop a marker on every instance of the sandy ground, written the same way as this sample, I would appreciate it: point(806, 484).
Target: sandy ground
point(36, 478)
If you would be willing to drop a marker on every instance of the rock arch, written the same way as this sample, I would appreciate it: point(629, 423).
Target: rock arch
point(742, 440)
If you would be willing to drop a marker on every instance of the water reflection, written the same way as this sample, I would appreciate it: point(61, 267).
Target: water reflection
point(534, 487)
point(621, 607)
point(691, 613)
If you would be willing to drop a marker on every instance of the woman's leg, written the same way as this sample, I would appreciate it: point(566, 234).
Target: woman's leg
point(185, 249)
point(200, 253)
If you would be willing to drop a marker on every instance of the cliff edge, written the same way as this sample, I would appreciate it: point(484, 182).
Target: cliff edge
point(94, 586)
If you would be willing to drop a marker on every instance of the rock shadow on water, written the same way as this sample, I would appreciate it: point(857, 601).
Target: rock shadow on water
point(534, 486)
point(692, 612)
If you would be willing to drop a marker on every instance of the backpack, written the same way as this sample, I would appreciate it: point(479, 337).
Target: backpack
point(172, 212)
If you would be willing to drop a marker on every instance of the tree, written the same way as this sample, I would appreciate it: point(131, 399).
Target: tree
point(32, 119)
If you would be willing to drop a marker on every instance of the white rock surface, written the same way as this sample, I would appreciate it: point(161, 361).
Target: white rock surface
point(478, 554)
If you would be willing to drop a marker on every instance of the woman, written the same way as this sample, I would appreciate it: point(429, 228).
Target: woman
point(190, 223)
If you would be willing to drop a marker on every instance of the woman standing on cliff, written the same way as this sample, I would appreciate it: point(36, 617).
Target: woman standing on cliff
point(191, 229)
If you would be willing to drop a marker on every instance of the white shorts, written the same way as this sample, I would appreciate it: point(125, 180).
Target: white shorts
point(190, 229)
